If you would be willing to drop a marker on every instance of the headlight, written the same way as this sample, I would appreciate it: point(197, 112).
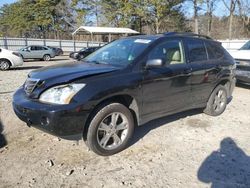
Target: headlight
point(61, 94)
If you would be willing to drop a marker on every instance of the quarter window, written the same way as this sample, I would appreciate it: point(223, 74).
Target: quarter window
point(214, 51)
point(170, 52)
point(197, 51)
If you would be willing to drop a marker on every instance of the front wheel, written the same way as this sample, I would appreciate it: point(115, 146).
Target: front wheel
point(4, 65)
point(110, 129)
point(217, 102)
point(46, 58)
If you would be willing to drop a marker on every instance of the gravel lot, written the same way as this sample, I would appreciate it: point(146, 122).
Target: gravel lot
point(189, 149)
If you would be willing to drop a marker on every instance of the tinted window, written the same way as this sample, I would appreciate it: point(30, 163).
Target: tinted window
point(214, 51)
point(246, 46)
point(120, 52)
point(40, 48)
point(33, 48)
point(170, 52)
point(197, 51)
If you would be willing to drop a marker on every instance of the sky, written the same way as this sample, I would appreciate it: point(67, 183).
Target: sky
point(2, 2)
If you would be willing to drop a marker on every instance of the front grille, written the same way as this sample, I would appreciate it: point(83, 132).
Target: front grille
point(29, 85)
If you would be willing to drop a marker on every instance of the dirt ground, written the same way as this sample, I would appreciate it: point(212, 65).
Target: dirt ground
point(188, 149)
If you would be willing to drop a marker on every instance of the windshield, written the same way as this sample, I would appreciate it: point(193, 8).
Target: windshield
point(120, 52)
point(246, 46)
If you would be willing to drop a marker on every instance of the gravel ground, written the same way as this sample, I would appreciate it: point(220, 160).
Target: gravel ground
point(188, 149)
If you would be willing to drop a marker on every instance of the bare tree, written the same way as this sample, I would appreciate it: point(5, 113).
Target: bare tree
point(244, 11)
point(210, 9)
point(196, 23)
point(231, 9)
point(196, 8)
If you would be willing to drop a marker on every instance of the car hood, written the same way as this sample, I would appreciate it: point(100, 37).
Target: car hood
point(64, 73)
point(70, 71)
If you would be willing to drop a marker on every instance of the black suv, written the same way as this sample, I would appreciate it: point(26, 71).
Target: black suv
point(127, 82)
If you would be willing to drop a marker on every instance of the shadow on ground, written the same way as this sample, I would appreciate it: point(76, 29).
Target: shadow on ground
point(242, 85)
point(141, 131)
point(229, 167)
point(52, 59)
point(26, 68)
point(3, 141)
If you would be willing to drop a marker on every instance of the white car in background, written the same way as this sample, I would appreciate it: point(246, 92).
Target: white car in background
point(242, 58)
point(241, 54)
point(9, 59)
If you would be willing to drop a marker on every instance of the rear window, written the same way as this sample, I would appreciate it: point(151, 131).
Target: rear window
point(197, 50)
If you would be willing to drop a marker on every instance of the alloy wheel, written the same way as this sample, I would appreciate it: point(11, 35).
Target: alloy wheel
point(112, 131)
point(220, 100)
point(4, 65)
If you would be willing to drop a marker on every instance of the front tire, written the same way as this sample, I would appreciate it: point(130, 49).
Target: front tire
point(4, 64)
point(217, 102)
point(46, 57)
point(110, 129)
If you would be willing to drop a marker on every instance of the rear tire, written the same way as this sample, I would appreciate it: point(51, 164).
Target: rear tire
point(217, 102)
point(46, 57)
point(4, 64)
point(110, 129)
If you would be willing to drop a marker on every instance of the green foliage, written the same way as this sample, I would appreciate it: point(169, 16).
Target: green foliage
point(32, 17)
point(39, 18)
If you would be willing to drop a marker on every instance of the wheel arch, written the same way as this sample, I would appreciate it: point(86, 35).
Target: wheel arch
point(125, 99)
point(226, 83)
point(10, 62)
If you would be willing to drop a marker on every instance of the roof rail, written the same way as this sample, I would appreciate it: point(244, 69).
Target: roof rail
point(187, 34)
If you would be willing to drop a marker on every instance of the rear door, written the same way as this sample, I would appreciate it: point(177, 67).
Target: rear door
point(166, 88)
point(198, 60)
point(35, 54)
point(215, 63)
point(41, 51)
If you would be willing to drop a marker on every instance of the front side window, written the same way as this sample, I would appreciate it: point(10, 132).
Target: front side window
point(197, 51)
point(170, 52)
point(33, 48)
point(120, 52)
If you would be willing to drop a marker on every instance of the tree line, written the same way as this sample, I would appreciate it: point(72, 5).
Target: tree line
point(59, 18)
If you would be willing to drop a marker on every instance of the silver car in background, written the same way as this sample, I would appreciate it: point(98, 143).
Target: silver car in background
point(37, 52)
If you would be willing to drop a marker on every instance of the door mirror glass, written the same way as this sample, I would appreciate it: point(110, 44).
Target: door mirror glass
point(154, 63)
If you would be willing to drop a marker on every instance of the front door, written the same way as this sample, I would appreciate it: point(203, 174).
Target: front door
point(166, 88)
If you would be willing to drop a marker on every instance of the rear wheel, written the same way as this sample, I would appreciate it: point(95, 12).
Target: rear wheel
point(217, 102)
point(110, 129)
point(46, 57)
point(4, 64)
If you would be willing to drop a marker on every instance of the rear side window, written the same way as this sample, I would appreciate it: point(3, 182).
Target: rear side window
point(196, 50)
point(214, 51)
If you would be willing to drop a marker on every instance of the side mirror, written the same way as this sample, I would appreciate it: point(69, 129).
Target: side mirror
point(154, 63)
point(26, 50)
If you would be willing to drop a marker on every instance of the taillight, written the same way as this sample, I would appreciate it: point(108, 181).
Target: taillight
point(16, 54)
